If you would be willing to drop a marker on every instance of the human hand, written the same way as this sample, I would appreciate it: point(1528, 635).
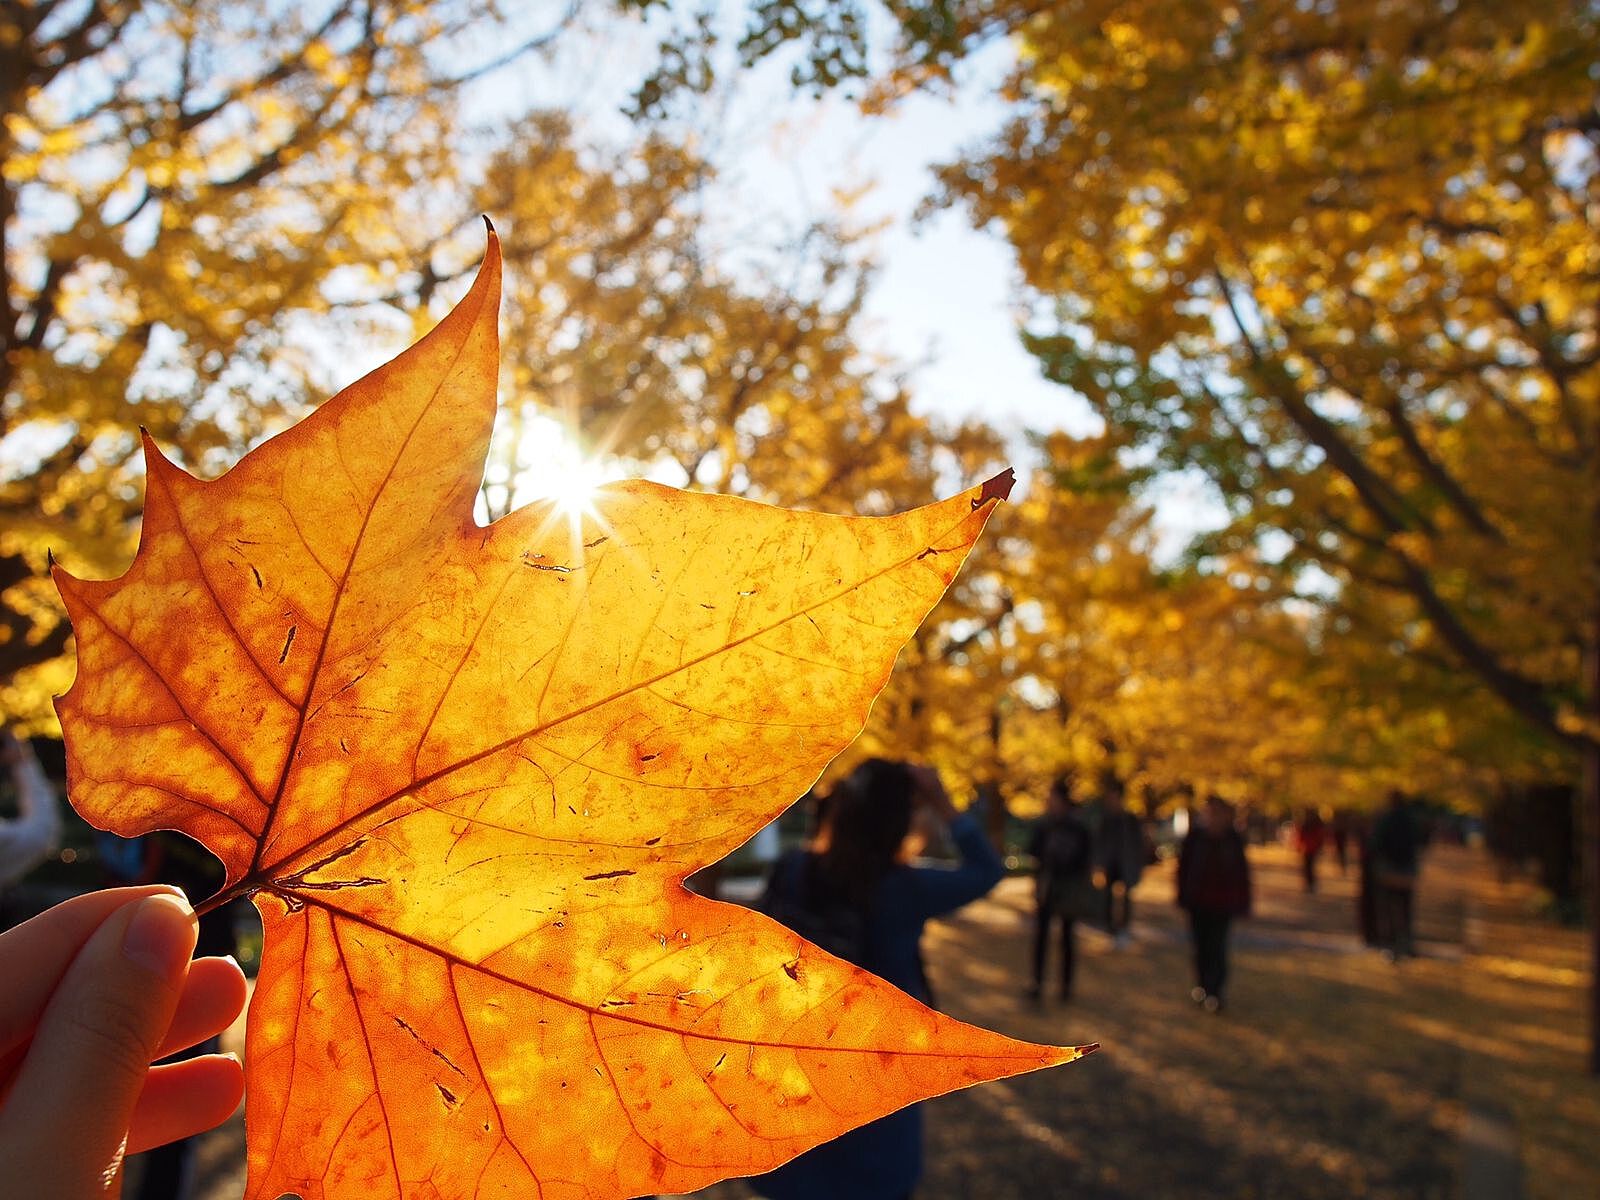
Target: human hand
point(95, 990)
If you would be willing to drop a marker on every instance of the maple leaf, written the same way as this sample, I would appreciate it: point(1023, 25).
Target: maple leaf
point(463, 772)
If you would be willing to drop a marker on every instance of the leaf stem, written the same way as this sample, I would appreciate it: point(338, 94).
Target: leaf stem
point(227, 896)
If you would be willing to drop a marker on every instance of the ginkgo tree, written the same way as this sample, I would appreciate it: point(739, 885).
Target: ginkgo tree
point(1345, 265)
point(178, 183)
point(1114, 664)
point(463, 772)
point(1341, 261)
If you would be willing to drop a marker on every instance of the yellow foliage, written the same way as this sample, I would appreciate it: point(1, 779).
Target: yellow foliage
point(1373, 326)
point(178, 182)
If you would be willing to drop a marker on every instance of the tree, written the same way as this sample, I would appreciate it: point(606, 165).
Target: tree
point(258, 169)
point(1069, 650)
point(181, 184)
point(1340, 257)
point(1346, 266)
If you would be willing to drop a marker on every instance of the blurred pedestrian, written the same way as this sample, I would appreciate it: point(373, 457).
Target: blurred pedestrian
point(1309, 836)
point(1395, 851)
point(1063, 884)
point(1119, 848)
point(1213, 888)
point(33, 834)
point(854, 886)
point(1339, 831)
point(1366, 888)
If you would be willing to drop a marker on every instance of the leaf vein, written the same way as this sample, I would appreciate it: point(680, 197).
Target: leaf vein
point(210, 587)
point(340, 589)
point(366, 1043)
point(205, 733)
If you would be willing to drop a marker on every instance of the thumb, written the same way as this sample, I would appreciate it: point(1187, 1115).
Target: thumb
point(73, 1099)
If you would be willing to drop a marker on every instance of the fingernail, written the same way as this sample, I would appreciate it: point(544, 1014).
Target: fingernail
point(161, 935)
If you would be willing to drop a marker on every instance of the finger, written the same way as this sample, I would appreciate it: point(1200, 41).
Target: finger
point(184, 1098)
point(73, 1098)
point(35, 955)
point(213, 997)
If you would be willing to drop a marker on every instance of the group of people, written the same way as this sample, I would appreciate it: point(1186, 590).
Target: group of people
point(853, 891)
point(1087, 866)
point(1087, 863)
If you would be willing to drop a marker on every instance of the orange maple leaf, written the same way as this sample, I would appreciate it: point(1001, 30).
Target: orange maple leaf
point(463, 772)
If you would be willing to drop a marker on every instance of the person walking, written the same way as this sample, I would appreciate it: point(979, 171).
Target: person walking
point(1309, 836)
point(854, 888)
point(1213, 888)
point(1339, 832)
point(1063, 886)
point(1119, 859)
point(1395, 851)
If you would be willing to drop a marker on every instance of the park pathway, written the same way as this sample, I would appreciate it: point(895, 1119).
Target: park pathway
point(1333, 1074)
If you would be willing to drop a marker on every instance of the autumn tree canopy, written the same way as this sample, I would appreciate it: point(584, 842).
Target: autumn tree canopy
point(1340, 259)
point(180, 185)
point(1337, 261)
point(1346, 266)
point(175, 236)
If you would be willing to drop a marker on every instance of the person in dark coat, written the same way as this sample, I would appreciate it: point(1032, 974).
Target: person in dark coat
point(1213, 888)
point(857, 864)
point(1119, 847)
point(1063, 885)
point(1339, 832)
point(1395, 851)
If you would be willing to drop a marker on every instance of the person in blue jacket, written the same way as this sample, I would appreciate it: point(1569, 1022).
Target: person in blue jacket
point(853, 888)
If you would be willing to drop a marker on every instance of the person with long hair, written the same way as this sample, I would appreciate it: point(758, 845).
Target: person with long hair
point(854, 885)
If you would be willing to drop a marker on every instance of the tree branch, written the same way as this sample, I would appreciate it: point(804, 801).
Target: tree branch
point(1377, 493)
point(1393, 407)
